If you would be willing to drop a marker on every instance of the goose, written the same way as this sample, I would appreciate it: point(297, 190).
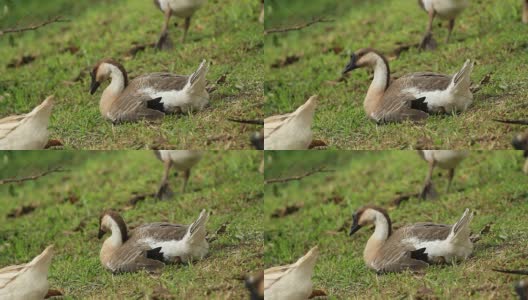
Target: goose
point(444, 9)
point(525, 21)
point(27, 281)
point(520, 140)
point(255, 285)
point(148, 246)
point(413, 96)
point(291, 131)
point(180, 8)
point(257, 138)
point(445, 159)
point(292, 282)
point(261, 16)
point(181, 160)
point(411, 247)
point(148, 96)
point(28, 131)
point(521, 287)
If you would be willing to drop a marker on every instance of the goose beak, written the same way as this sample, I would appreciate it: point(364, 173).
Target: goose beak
point(351, 64)
point(94, 86)
point(100, 234)
point(354, 228)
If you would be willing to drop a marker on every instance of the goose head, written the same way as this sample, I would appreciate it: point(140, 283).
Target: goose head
point(111, 221)
point(367, 215)
point(520, 141)
point(522, 289)
point(365, 57)
point(105, 69)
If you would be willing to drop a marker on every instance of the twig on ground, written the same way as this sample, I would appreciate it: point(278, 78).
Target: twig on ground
point(298, 177)
point(297, 27)
point(33, 27)
point(32, 177)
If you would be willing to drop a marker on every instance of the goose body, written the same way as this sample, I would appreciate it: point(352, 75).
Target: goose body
point(27, 281)
point(180, 8)
point(291, 131)
point(445, 159)
point(413, 96)
point(28, 131)
point(520, 140)
point(149, 245)
point(292, 282)
point(414, 246)
point(148, 96)
point(444, 9)
point(255, 285)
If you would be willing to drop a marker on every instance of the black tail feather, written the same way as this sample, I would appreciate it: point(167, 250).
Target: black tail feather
point(155, 254)
point(155, 104)
point(419, 254)
point(419, 104)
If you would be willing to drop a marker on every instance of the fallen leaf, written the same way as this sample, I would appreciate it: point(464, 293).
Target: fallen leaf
point(288, 60)
point(72, 49)
point(317, 143)
point(403, 197)
point(53, 293)
point(222, 79)
point(317, 293)
point(53, 143)
point(288, 210)
point(24, 210)
point(23, 60)
point(335, 199)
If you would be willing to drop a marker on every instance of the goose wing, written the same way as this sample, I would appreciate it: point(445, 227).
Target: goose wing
point(273, 123)
point(10, 273)
point(8, 124)
point(163, 81)
point(398, 255)
point(427, 231)
point(274, 274)
point(133, 104)
point(400, 102)
point(160, 231)
point(132, 257)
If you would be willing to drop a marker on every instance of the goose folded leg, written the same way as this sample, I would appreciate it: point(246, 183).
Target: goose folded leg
point(164, 42)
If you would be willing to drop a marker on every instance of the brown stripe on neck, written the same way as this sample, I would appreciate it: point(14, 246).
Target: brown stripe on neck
point(379, 209)
point(114, 63)
point(365, 51)
point(119, 221)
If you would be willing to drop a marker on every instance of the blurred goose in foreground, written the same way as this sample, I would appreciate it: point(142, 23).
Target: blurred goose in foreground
point(525, 14)
point(255, 285)
point(27, 281)
point(521, 287)
point(149, 245)
point(28, 131)
point(181, 160)
point(180, 8)
point(148, 96)
point(291, 131)
point(414, 96)
point(444, 9)
point(445, 159)
point(292, 282)
point(412, 247)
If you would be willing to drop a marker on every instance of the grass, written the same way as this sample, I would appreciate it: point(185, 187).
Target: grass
point(68, 206)
point(490, 183)
point(488, 32)
point(225, 33)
